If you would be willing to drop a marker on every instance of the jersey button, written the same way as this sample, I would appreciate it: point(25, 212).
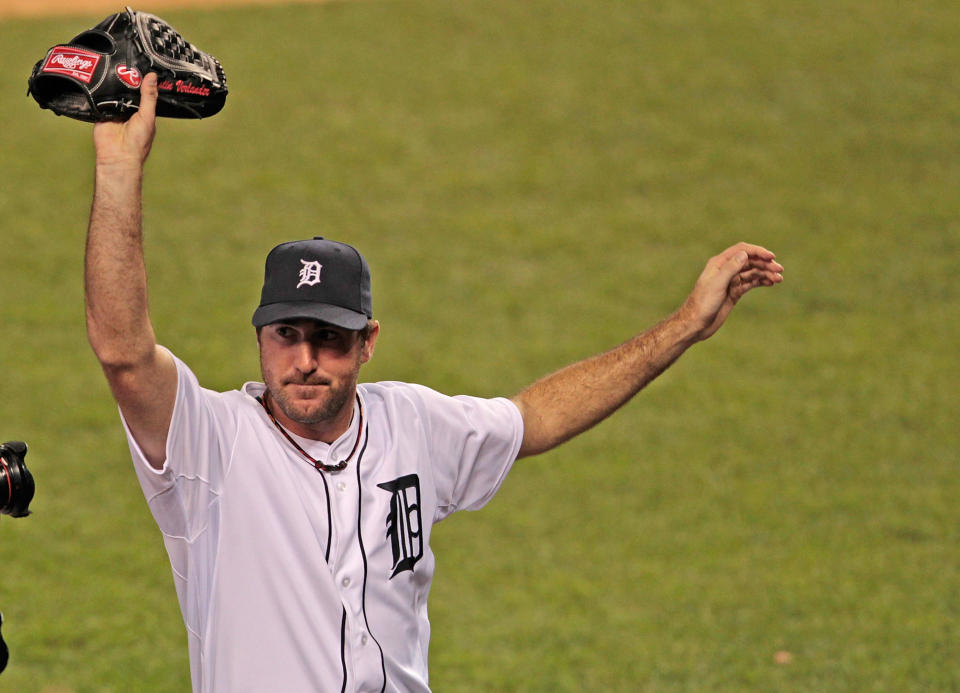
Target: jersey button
point(341, 486)
point(363, 640)
point(345, 582)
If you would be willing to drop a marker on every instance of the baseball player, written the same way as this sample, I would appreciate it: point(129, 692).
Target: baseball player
point(297, 511)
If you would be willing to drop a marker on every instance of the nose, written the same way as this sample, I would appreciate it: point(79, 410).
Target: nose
point(306, 358)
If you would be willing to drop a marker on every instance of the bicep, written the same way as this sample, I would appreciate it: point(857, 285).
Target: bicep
point(146, 393)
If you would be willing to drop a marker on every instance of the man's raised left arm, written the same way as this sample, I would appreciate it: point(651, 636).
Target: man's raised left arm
point(577, 397)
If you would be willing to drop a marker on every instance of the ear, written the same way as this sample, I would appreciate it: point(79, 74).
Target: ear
point(371, 343)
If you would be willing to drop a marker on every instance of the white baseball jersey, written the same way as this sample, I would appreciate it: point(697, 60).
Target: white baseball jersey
point(303, 582)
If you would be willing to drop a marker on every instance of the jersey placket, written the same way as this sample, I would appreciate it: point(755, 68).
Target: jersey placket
point(348, 565)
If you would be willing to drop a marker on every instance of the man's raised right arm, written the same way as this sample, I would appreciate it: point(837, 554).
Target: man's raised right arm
point(142, 375)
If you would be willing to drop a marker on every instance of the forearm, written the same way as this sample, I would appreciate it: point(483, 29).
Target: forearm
point(573, 399)
point(570, 401)
point(118, 324)
point(142, 376)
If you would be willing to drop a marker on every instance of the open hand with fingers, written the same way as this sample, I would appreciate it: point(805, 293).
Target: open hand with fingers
point(724, 281)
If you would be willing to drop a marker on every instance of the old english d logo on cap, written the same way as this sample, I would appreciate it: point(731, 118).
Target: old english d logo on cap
point(318, 279)
point(309, 273)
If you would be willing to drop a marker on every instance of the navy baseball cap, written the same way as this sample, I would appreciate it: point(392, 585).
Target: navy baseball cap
point(317, 279)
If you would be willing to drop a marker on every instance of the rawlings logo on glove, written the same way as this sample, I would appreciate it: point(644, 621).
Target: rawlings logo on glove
point(97, 75)
point(71, 62)
point(129, 76)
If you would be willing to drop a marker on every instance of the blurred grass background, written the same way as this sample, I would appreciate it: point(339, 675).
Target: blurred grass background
point(533, 182)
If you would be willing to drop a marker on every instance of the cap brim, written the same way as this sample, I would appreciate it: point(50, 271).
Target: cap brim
point(334, 315)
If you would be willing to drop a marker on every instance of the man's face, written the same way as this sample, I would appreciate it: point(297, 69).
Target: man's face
point(311, 369)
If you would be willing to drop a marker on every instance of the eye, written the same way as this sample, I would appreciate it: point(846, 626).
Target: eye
point(331, 338)
point(285, 332)
point(327, 338)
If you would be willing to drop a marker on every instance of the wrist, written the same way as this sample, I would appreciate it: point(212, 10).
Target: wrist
point(120, 177)
point(119, 166)
point(685, 327)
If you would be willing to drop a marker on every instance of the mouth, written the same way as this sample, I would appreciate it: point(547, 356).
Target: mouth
point(307, 383)
point(306, 390)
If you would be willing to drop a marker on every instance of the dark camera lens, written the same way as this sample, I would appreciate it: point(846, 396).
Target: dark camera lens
point(16, 481)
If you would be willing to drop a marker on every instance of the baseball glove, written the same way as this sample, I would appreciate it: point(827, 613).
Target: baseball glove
point(97, 75)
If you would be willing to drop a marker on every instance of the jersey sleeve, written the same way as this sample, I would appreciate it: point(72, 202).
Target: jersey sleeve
point(474, 443)
point(202, 432)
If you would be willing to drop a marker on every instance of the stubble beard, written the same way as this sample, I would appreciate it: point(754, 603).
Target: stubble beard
point(295, 410)
point(307, 412)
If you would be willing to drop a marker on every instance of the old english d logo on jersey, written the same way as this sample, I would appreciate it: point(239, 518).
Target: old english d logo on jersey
point(404, 526)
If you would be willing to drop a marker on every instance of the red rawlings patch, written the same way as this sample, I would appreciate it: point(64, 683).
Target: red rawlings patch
point(129, 76)
point(73, 62)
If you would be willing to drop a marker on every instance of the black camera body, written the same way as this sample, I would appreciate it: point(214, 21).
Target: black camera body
point(16, 492)
point(4, 652)
point(16, 481)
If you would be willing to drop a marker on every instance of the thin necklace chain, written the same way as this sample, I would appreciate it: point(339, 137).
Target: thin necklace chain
point(317, 464)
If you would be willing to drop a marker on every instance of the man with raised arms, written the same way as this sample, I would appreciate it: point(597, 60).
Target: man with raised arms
point(297, 511)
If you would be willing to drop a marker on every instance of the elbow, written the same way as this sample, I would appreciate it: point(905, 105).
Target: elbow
point(538, 444)
point(529, 449)
point(127, 369)
point(119, 355)
point(537, 436)
point(120, 346)
point(119, 360)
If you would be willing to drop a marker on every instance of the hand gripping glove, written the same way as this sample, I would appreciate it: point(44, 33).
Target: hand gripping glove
point(97, 75)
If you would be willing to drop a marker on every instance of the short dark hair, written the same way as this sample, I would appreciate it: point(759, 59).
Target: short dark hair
point(367, 330)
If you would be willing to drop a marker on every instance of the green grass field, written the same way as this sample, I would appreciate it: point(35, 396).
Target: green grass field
point(533, 182)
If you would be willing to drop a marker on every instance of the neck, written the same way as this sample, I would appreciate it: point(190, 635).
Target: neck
point(326, 431)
